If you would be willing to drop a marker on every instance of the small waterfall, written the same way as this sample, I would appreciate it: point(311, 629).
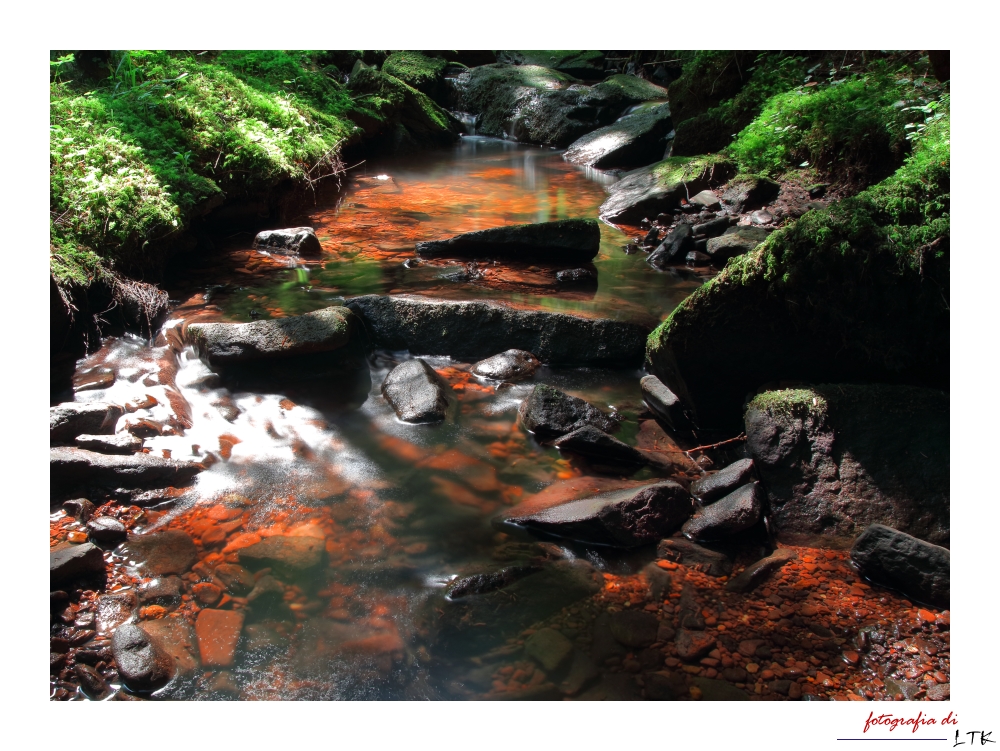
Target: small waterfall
point(468, 121)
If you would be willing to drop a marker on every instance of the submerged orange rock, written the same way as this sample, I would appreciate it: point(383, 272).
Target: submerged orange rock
point(218, 632)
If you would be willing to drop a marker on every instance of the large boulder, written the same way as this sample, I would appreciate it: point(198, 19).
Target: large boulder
point(144, 664)
point(323, 330)
point(895, 559)
point(549, 412)
point(586, 64)
point(424, 73)
point(566, 240)
point(622, 518)
point(73, 467)
point(416, 392)
point(835, 459)
point(71, 419)
point(511, 366)
point(301, 240)
point(68, 562)
point(632, 141)
point(648, 191)
point(478, 329)
point(736, 513)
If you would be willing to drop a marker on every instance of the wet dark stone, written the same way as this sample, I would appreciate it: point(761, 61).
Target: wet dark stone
point(736, 241)
point(634, 628)
point(115, 608)
point(918, 569)
point(549, 648)
point(69, 562)
point(673, 248)
point(513, 365)
point(473, 330)
point(757, 573)
point(106, 529)
point(693, 645)
point(718, 484)
point(713, 227)
point(71, 419)
point(237, 580)
point(92, 682)
point(663, 403)
point(79, 508)
point(689, 553)
point(595, 444)
point(171, 551)
point(566, 240)
point(143, 663)
point(582, 672)
point(715, 690)
point(736, 513)
point(750, 193)
point(301, 240)
point(488, 582)
point(548, 412)
point(57, 661)
point(416, 392)
point(119, 443)
point(622, 518)
point(164, 590)
point(290, 554)
point(267, 590)
point(576, 276)
point(659, 582)
point(735, 675)
point(665, 687)
point(632, 141)
point(644, 192)
point(72, 467)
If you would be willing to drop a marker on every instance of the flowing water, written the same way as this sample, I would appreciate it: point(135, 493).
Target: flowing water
point(399, 510)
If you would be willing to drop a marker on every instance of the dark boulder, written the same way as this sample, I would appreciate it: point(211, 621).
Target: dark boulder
point(119, 443)
point(756, 573)
point(69, 562)
point(673, 248)
point(301, 240)
point(478, 329)
point(163, 590)
point(143, 663)
point(597, 445)
point(631, 141)
point(736, 513)
point(835, 459)
point(513, 365)
point(423, 72)
point(565, 240)
point(106, 529)
point(663, 403)
point(718, 484)
point(72, 419)
point(918, 569)
point(284, 553)
point(416, 392)
point(749, 193)
point(621, 518)
point(736, 241)
point(648, 191)
point(73, 468)
point(693, 555)
point(477, 584)
point(171, 551)
point(323, 330)
point(549, 412)
point(586, 64)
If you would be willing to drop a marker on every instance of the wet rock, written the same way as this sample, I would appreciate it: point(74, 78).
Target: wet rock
point(665, 632)
point(291, 554)
point(119, 443)
point(756, 573)
point(663, 403)
point(473, 330)
point(762, 217)
point(576, 276)
point(691, 554)
point(678, 242)
point(735, 242)
point(549, 648)
point(940, 692)
point(706, 199)
point(908, 689)
point(163, 590)
point(73, 467)
point(622, 518)
point(115, 609)
point(106, 529)
point(207, 593)
point(71, 419)
point(647, 191)
point(665, 686)
point(837, 458)
point(735, 675)
point(301, 240)
point(634, 628)
point(92, 682)
point(693, 645)
point(69, 562)
point(632, 141)
point(603, 644)
point(218, 632)
point(177, 638)
point(718, 484)
point(715, 690)
point(93, 379)
point(171, 551)
point(659, 582)
point(549, 412)
point(918, 569)
point(489, 582)
point(80, 509)
point(713, 227)
point(143, 663)
point(749, 193)
point(323, 330)
point(565, 240)
point(266, 591)
point(582, 672)
point(237, 580)
point(416, 392)
point(513, 365)
point(737, 512)
point(587, 64)
point(597, 445)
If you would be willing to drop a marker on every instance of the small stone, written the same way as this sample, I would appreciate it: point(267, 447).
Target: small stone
point(142, 662)
point(119, 443)
point(288, 553)
point(165, 591)
point(512, 366)
point(171, 551)
point(762, 217)
point(693, 645)
point(80, 509)
point(114, 609)
point(752, 667)
point(93, 683)
point(207, 593)
point(634, 628)
point(237, 580)
point(106, 529)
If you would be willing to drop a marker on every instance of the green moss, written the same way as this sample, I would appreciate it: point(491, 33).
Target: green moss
point(383, 96)
point(133, 157)
point(631, 87)
point(676, 169)
point(796, 402)
point(415, 69)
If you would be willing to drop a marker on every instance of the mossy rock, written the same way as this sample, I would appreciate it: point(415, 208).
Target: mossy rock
point(586, 64)
point(425, 74)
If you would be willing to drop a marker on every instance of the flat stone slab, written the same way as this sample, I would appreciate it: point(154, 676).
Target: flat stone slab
point(756, 573)
point(549, 648)
point(567, 240)
point(119, 443)
point(735, 513)
point(595, 444)
point(69, 562)
point(647, 191)
point(284, 552)
point(719, 484)
point(218, 632)
point(323, 330)
point(691, 554)
point(474, 330)
point(895, 559)
point(512, 366)
point(71, 467)
point(300, 240)
point(416, 392)
point(621, 518)
point(171, 551)
point(735, 242)
point(549, 412)
point(71, 419)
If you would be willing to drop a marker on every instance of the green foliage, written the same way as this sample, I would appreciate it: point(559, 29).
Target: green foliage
point(134, 157)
